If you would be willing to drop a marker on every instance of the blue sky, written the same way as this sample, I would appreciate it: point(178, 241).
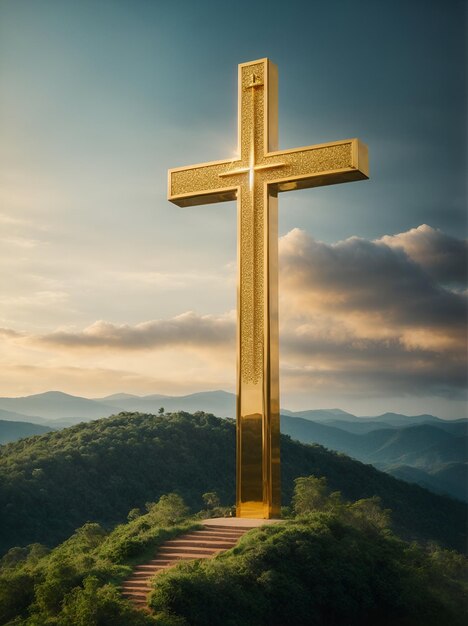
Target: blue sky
point(99, 99)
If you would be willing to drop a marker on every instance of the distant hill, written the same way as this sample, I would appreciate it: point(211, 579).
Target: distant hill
point(425, 447)
point(56, 404)
point(449, 479)
point(53, 405)
point(403, 420)
point(18, 417)
point(12, 431)
point(358, 427)
point(219, 403)
point(68, 409)
point(325, 415)
point(100, 470)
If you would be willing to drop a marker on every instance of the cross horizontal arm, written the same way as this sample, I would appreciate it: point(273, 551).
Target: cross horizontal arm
point(314, 166)
point(203, 184)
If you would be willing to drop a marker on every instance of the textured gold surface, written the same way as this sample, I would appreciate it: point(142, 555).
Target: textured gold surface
point(254, 179)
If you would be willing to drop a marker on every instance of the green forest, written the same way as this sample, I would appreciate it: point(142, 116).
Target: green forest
point(97, 471)
point(328, 563)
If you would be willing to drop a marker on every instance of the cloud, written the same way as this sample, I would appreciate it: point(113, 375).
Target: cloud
point(444, 257)
point(371, 280)
point(358, 317)
point(9, 333)
point(366, 315)
point(188, 329)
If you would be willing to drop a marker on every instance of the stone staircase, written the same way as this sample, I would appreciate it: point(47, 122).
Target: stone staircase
point(198, 544)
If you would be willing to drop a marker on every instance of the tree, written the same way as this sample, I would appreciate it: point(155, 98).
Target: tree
point(211, 499)
point(169, 510)
point(312, 494)
point(133, 514)
point(161, 410)
point(368, 514)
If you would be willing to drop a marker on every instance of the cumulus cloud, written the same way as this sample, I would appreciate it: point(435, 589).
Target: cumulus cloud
point(367, 314)
point(188, 329)
point(370, 282)
point(444, 257)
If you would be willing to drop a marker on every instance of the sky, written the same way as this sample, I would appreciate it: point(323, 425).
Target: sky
point(107, 287)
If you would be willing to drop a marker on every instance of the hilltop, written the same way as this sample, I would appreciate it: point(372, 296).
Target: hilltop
point(334, 562)
point(98, 471)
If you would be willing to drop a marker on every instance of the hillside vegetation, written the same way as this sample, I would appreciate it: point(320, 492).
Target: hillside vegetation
point(76, 584)
point(323, 569)
point(98, 471)
point(331, 563)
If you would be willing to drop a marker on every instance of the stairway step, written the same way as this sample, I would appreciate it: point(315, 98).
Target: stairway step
point(144, 573)
point(188, 551)
point(192, 556)
point(213, 529)
point(132, 593)
point(227, 527)
point(223, 531)
point(200, 543)
point(212, 536)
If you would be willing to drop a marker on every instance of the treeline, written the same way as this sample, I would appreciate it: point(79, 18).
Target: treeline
point(98, 471)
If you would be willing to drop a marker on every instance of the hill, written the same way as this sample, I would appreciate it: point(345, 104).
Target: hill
point(64, 409)
point(330, 562)
point(386, 445)
point(18, 417)
point(219, 403)
point(449, 479)
point(320, 570)
point(333, 428)
point(11, 431)
point(56, 404)
point(59, 405)
point(98, 471)
point(426, 448)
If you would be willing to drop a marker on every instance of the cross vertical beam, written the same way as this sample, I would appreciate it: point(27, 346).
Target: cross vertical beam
point(254, 179)
point(258, 430)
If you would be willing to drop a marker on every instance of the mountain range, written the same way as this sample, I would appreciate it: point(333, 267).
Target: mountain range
point(423, 449)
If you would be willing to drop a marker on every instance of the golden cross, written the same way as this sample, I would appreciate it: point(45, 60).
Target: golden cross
point(254, 180)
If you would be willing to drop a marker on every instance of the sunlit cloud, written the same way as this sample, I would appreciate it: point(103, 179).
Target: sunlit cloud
point(442, 256)
point(188, 329)
point(358, 317)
